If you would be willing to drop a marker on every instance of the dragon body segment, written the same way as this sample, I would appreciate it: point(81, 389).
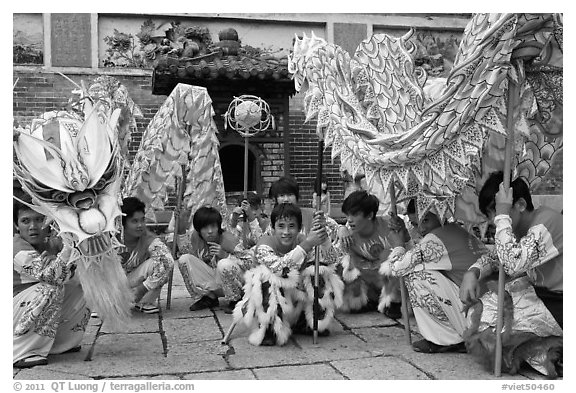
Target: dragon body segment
point(372, 109)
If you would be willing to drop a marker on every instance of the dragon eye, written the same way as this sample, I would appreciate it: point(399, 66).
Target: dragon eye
point(59, 196)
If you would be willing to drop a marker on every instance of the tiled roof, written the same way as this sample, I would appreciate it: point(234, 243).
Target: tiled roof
point(217, 67)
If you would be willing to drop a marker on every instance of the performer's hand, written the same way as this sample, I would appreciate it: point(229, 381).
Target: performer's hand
point(344, 237)
point(317, 236)
point(503, 200)
point(216, 250)
point(318, 219)
point(470, 287)
point(47, 258)
point(396, 238)
point(397, 226)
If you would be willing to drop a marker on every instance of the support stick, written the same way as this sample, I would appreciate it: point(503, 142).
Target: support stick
point(229, 333)
point(403, 294)
point(316, 306)
point(179, 196)
point(245, 167)
point(511, 104)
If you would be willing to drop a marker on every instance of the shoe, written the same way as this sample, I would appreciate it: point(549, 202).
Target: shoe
point(31, 361)
point(229, 308)
point(147, 308)
point(426, 346)
point(393, 311)
point(204, 302)
point(73, 350)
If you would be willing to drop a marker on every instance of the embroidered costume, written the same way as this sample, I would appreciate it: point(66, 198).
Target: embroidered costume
point(49, 310)
point(433, 270)
point(150, 268)
point(533, 319)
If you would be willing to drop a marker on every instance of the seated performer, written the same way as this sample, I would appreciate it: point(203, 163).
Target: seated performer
point(529, 246)
point(247, 221)
point(280, 287)
point(433, 271)
point(365, 288)
point(145, 258)
point(201, 250)
point(49, 310)
point(286, 190)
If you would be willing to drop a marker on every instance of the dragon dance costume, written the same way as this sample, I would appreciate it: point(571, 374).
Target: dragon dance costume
point(533, 318)
point(276, 292)
point(49, 310)
point(433, 271)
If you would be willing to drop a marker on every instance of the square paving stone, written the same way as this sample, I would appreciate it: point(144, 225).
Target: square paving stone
point(182, 331)
point(120, 345)
point(451, 366)
point(380, 368)
point(139, 323)
point(366, 319)
point(308, 372)
point(388, 340)
point(223, 375)
point(42, 373)
point(180, 308)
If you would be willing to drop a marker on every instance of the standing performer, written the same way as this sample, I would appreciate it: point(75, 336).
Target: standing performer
point(279, 289)
point(145, 258)
point(369, 247)
point(49, 310)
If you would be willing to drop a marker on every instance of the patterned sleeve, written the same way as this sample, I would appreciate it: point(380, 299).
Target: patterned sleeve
point(486, 264)
point(163, 263)
point(28, 262)
point(332, 229)
point(533, 250)
point(265, 255)
point(184, 244)
point(429, 254)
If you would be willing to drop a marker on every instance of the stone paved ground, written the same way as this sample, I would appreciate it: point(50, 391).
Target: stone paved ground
point(181, 345)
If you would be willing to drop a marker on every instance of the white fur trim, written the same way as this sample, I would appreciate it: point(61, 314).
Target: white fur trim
point(385, 269)
point(351, 302)
point(348, 274)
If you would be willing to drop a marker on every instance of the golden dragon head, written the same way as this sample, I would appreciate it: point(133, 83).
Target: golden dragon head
point(70, 166)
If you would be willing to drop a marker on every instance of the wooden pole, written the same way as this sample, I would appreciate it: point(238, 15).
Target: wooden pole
point(245, 167)
point(316, 306)
point(403, 294)
point(511, 104)
point(179, 196)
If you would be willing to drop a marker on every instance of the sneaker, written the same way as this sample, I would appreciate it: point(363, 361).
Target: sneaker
point(31, 361)
point(204, 302)
point(426, 346)
point(147, 308)
point(393, 311)
point(229, 308)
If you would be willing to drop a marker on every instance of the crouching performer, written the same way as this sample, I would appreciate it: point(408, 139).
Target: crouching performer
point(278, 292)
point(49, 310)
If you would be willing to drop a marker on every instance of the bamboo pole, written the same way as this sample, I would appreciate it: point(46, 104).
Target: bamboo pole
point(179, 196)
point(513, 92)
point(403, 294)
point(316, 306)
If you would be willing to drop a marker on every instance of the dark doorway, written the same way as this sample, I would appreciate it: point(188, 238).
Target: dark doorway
point(232, 162)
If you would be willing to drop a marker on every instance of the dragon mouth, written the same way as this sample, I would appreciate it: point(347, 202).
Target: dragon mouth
point(95, 245)
point(82, 200)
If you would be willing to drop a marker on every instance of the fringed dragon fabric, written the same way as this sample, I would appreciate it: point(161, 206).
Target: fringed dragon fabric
point(182, 132)
point(371, 108)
